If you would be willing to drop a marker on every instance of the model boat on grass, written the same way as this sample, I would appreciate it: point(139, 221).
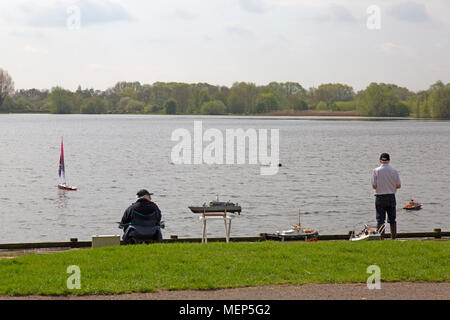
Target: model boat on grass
point(368, 233)
point(296, 232)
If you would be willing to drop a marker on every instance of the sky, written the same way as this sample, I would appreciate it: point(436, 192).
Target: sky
point(97, 43)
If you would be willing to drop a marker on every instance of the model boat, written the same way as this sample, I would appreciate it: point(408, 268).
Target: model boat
point(67, 188)
point(368, 233)
point(296, 232)
point(217, 206)
point(62, 172)
point(412, 205)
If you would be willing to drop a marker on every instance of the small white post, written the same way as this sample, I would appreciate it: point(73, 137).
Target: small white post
point(226, 229)
point(204, 240)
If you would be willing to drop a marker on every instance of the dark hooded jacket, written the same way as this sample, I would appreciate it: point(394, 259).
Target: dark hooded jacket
point(144, 207)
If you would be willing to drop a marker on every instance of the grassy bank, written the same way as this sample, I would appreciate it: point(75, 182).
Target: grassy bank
point(218, 265)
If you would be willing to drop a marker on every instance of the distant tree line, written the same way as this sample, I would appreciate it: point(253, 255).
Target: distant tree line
point(378, 99)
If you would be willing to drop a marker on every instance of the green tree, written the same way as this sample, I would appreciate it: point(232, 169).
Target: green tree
point(242, 98)
point(297, 103)
point(381, 101)
point(221, 94)
point(6, 85)
point(122, 104)
point(134, 106)
point(10, 105)
point(153, 108)
point(283, 92)
point(120, 86)
point(170, 106)
point(401, 93)
point(60, 101)
point(215, 107)
point(322, 106)
point(198, 98)
point(266, 102)
point(31, 94)
point(437, 85)
point(236, 100)
point(161, 92)
point(440, 103)
point(128, 92)
point(181, 92)
point(331, 92)
point(94, 105)
point(145, 94)
point(331, 105)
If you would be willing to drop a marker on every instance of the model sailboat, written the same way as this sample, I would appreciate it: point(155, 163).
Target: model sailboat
point(62, 172)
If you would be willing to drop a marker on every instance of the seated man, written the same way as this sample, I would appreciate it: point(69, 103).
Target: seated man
point(142, 220)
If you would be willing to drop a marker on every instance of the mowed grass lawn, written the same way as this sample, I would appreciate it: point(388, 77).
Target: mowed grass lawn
point(147, 268)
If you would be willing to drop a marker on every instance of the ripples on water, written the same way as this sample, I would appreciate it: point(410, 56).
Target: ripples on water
point(326, 171)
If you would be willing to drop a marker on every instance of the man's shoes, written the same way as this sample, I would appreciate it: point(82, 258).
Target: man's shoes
point(393, 231)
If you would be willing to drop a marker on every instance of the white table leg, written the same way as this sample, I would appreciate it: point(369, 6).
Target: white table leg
point(226, 229)
point(204, 240)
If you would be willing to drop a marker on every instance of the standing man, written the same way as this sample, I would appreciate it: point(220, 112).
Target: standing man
point(385, 180)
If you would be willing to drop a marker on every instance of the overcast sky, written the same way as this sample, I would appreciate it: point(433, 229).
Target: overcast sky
point(223, 41)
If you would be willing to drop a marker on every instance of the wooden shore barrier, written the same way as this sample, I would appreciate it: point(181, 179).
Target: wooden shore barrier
point(75, 244)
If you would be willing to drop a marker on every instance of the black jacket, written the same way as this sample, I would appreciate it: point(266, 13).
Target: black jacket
point(143, 206)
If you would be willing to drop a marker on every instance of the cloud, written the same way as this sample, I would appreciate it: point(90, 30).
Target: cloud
point(24, 33)
point(253, 6)
point(35, 50)
point(341, 14)
point(56, 13)
point(238, 30)
point(335, 13)
point(185, 14)
point(392, 48)
point(409, 11)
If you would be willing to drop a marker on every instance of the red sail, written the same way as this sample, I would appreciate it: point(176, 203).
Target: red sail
point(61, 163)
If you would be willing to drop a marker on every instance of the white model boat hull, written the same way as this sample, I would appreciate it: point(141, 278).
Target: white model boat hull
point(366, 237)
point(67, 188)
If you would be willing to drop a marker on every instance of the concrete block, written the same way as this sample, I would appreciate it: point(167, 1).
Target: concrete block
point(105, 241)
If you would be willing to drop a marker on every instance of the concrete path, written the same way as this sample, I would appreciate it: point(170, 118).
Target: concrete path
point(358, 291)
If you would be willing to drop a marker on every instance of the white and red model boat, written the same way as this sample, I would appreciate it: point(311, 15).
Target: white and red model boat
point(62, 172)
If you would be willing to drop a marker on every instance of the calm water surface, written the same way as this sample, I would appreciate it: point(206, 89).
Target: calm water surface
point(326, 172)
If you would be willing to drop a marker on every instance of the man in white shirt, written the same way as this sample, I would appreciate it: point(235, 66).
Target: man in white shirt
point(385, 180)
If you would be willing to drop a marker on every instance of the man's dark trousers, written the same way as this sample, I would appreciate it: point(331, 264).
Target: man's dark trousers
point(386, 204)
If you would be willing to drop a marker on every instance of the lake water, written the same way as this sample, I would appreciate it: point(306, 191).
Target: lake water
point(326, 171)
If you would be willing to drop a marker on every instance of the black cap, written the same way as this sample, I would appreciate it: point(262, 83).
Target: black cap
point(142, 193)
point(385, 157)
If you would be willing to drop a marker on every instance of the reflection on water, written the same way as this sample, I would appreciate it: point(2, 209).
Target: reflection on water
point(325, 173)
point(62, 199)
